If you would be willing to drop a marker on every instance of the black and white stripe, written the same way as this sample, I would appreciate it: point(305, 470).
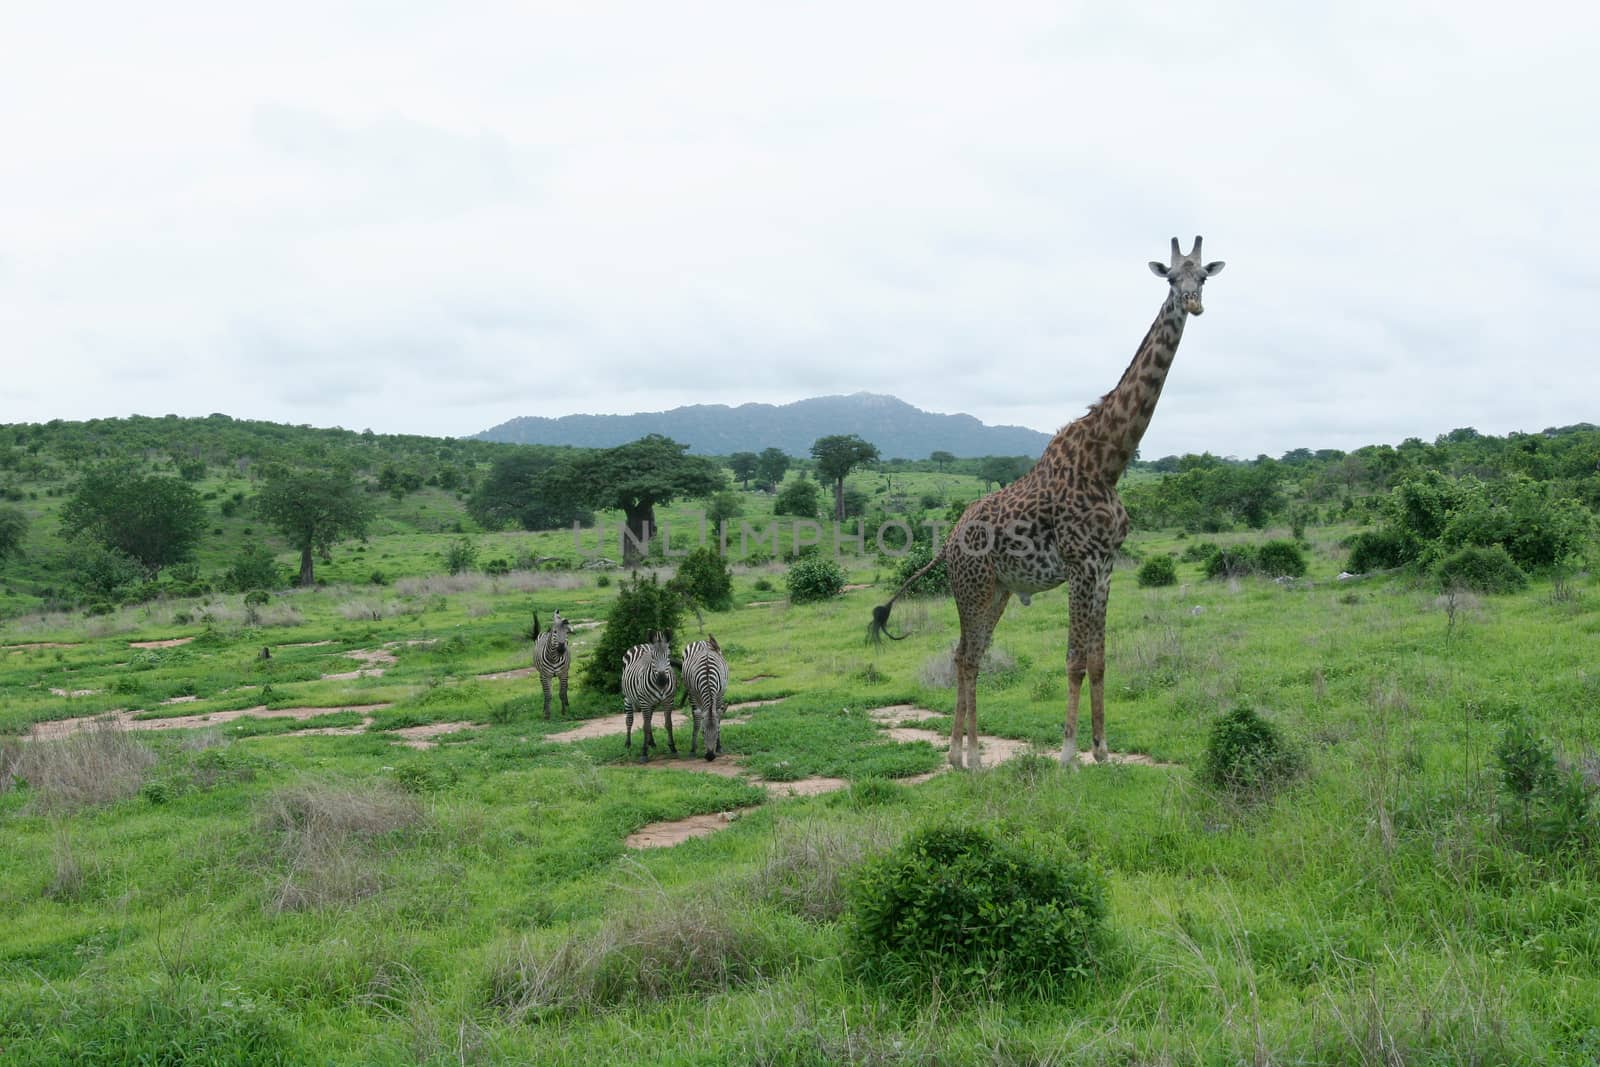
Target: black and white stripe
point(648, 683)
point(551, 657)
point(705, 678)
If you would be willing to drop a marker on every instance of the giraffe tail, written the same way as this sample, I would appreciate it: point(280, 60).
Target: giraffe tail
point(878, 628)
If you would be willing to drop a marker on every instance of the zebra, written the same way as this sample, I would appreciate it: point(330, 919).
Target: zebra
point(648, 683)
point(705, 684)
point(551, 657)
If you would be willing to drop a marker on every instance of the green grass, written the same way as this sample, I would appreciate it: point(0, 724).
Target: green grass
point(1372, 913)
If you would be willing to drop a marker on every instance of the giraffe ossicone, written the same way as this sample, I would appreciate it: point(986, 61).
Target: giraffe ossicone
point(1061, 524)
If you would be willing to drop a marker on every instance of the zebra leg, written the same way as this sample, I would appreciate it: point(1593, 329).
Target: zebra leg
point(672, 745)
point(649, 736)
point(694, 732)
point(565, 714)
point(627, 745)
point(544, 683)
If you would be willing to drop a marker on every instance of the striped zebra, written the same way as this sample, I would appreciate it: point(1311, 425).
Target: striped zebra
point(705, 683)
point(648, 683)
point(551, 657)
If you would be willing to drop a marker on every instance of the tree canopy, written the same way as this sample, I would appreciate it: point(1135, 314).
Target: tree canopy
point(837, 455)
point(637, 476)
point(743, 465)
point(154, 519)
point(771, 466)
point(13, 528)
point(530, 487)
point(314, 509)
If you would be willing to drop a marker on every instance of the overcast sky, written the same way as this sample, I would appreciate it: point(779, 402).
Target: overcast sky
point(433, 218)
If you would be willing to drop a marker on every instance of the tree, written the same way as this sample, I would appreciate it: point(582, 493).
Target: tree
point(771, 466)
point(837, 455)
point(13, 528)
point(941, 458)
point(637, 476)
point(315, 510)
point(151, 518)
point(533, 488)
point(800, 498)
point(744, 464)
point(723, 506)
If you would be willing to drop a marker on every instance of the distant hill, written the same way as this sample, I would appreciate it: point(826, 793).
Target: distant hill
point(897, 428)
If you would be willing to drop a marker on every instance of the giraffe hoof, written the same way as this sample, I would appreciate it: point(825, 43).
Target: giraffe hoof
point(1100, 754)
point(1069, 760)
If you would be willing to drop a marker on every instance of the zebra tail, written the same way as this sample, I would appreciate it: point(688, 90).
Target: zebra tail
point(536, 626)
point(878, 628)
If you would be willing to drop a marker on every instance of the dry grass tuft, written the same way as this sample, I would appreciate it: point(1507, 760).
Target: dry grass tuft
point(939, 672)
point(99, 765)
point(655, 949)
point(807, 866)
point(328, 840)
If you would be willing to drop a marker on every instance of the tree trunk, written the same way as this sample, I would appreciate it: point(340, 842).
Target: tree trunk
point(306, 577)
point(640, 522)
point(838, 501)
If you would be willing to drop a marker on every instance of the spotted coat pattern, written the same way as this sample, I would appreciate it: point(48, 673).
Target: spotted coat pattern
point(1061, 523)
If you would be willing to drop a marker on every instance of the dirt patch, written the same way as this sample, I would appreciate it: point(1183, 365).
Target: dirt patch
point(899, 713)
point(422, 736)
point(49, 731)
point(676, 831)
point(180, 700)
point(588, 624)
point(372, 656)
point(497, 676)
point(74, 692)
point(35, 645)
point(348, 676)
point(760, 678)
point(602, 727)
point(763, 603)
point(805, 787)
point(745, 705)
point(307, 644)
point(853, 588)
point(171, 642)
point(332, 731)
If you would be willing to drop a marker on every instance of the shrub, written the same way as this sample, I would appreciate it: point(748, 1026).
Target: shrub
point(954, 902)
point(1551, 806)
point(800, 498)
point(1246, 754)
point(643, 605)
point(252, 568)
point(1281, 559)
point(257, 597)
point(1158, 571)
point(935, 583)
point(602, 582)
point(1199, 551)
point(705, 579)
point(1381, 549)
point(1482, 570)
point(461, 556)
point(497, 567)
point(1235, 561)
point(762, 585)
point(815, 578)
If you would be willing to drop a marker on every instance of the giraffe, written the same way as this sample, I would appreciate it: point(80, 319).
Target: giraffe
point(1062, 522)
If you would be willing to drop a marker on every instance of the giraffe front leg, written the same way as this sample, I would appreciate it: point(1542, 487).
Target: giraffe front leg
point(1077, 667)
point(1097, 704)
point(960, 716)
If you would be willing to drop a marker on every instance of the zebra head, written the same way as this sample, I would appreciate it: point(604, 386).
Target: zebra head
point(660, 660)
point(559, 631)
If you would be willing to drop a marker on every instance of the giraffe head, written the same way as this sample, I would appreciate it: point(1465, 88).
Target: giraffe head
point(1186, 276)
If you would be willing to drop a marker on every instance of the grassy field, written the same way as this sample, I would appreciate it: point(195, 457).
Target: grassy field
point(234, 894)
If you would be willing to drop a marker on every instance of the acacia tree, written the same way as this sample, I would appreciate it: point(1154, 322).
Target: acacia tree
point(532, 488)
point(771, 466)
point(837, 455)
point(637, 476)
point(743, 465)
point(13, 528)
point(154, 519)
point(940, 458)
point(315, 510)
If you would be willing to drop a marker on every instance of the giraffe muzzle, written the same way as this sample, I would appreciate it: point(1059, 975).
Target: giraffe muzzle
point(1193, 306)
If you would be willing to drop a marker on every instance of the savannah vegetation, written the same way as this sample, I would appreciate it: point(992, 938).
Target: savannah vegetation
point(1372, 838)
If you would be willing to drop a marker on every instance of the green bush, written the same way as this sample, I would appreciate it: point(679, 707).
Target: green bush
point(257, 597)
point(461, 556)
point(762, 585)
point(497, 567)
point(1235, 561)
point(1247, 755)
point(1550, 807)
point(643, 605)
point(935, 583)
point(800, 498)
point(1199, 551)
point(1281, 559)
point(1482, 570)
point(1380, 550)
point(957, 904)
point(1158, 571)
point(705, 579)
point(252, 568)
point(815, 578)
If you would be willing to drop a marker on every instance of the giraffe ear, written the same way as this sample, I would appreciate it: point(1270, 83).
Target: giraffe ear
point(1214, 268)
point(1158, 268)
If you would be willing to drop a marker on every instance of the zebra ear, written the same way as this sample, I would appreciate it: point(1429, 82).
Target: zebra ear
point(711, 639)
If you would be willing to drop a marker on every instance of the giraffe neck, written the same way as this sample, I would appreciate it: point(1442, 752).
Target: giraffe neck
point(1109, 434)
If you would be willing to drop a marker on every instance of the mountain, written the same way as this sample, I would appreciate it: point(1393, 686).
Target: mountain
point(897, 428)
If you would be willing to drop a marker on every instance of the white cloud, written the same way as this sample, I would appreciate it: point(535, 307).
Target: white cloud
point(431, 221)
